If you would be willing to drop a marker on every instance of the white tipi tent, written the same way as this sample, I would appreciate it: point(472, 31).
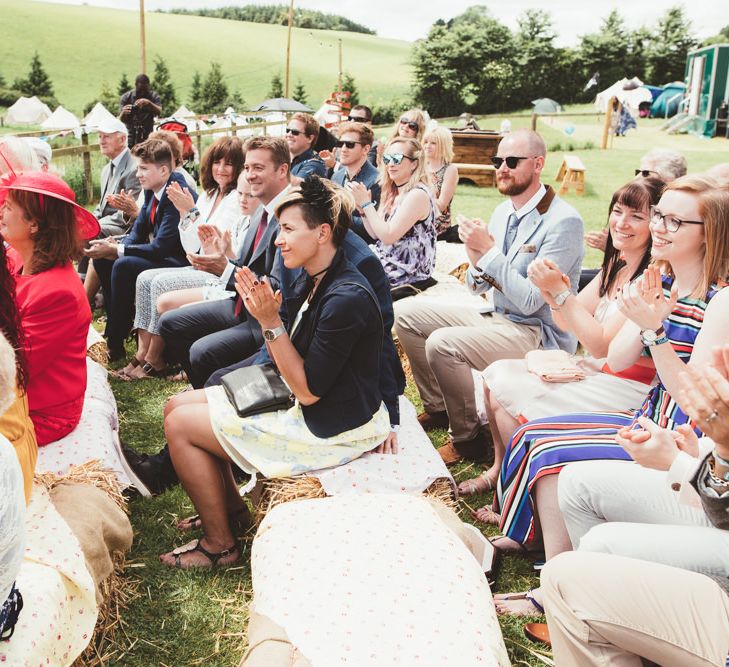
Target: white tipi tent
point(27, 111)
point(631, 98)
point(96, 116)
point(183, 112)
point(60, 119)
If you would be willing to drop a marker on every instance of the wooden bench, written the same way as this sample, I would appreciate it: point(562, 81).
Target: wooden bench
point(571, 173)
point(483, 175)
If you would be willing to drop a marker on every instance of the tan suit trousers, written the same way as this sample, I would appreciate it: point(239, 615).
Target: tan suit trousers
point(608, 610)
point(444, 343)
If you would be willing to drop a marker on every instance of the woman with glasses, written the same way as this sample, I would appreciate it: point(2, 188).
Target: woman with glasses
point(438, 145)
point(515, 395)
point(404, 222)
point(411, 125)
point(678, 312)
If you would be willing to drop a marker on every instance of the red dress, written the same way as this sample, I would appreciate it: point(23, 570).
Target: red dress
point(56, 317)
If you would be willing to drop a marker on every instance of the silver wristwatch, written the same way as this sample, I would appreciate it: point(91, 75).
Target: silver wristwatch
point(562, 297)
point(649, 337)
point(271, 335)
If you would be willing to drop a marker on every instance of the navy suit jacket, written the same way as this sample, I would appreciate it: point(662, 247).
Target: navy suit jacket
point(359, 254)
point(369, 176)
point(165, 243)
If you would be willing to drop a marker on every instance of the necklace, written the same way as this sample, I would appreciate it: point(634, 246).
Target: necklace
point(314, 277)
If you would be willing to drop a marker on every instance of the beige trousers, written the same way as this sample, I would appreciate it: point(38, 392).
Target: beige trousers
point(608, 610)
point(444, 343)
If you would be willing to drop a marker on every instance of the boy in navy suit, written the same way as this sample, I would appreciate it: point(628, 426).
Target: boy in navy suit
point(153, 242)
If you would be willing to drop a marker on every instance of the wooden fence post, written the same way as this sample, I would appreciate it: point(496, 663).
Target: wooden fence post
point(88, 179)
point(606, 127)
point(534, 122)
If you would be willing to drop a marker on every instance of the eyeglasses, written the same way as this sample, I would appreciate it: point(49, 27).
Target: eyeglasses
point(670, 222)
point(511, 162)
point(395, 158)
point(291, 130)
point(356, 119)
point(645, 173)
point(347, 144)
point(410, 123)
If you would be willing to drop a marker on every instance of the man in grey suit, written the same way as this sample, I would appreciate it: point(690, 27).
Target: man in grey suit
point(445, 343)
point(211, 335)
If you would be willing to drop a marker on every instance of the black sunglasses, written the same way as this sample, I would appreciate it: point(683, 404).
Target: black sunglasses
point(410, 123)
point(512, 161)
point(360, 119)
point(347, 144)
point(645, 173)
point(291, 130)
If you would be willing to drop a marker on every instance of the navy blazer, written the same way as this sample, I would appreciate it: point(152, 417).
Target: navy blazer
point(340, 339)
point(165, 244)
point(359, 254)
point(260, 259)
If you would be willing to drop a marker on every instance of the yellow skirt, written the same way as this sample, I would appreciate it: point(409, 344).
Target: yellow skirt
point(279, 444)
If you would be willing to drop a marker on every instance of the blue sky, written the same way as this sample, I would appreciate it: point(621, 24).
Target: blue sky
point(398, 20)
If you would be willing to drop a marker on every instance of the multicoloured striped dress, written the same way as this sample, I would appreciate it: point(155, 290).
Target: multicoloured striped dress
point(544, 446)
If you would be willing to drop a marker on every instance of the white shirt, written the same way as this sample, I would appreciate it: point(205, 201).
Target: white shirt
point(224, 217)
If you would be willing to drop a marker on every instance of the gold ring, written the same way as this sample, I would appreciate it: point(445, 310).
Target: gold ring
point(712, 417)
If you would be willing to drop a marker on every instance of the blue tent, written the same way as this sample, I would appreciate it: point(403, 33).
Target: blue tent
point(666, 104)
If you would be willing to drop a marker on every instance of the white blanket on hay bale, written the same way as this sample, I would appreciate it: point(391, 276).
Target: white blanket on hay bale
point(369, 580)
point(412, 470)
point(95, 437)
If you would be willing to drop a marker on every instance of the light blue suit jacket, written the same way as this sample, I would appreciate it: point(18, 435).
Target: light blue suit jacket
point(553, 230)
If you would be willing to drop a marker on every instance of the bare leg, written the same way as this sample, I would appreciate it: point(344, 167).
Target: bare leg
point(178, 298)
point(133, 370)
point(91, 283)
point(197, 457)
point(155, 350)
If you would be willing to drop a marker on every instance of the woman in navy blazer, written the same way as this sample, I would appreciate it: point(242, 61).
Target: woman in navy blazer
point(329, 355)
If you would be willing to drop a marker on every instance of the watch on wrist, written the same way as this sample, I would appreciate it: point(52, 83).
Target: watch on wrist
point(651, 337)
point(562, 297)
point(271, 335)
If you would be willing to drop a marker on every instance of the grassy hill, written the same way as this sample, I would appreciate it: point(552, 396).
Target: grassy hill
point(82, 46)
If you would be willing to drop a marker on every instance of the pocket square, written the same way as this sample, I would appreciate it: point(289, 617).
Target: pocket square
point(528, 248)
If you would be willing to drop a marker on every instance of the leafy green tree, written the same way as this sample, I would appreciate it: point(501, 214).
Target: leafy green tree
point(214, 90)
point(123, 85)
point(465, 63)
point(38, 82)
point(236, 101)
point(107, 96)
point(722, 37)
point(535, 58)
point(196, 92)
point(605, 51)
point(299, 93)
point(672, 40)
point(162, 83)
point(276, 89)
point(350, 86)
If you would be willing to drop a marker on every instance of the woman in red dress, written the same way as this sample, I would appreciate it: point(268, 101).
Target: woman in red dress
point(44, 228)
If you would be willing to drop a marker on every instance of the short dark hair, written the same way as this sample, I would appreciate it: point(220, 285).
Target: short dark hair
point(362, 107)
point(155, 151)
point(311, 124)
point(225, 148)
point(277, 146)
point(173, 141)
point(141, 79)
point(366, 135)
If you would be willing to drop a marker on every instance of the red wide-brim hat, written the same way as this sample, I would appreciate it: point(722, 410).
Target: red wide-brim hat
point(50, 185)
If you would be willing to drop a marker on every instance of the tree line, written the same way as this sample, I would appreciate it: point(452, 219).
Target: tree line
point(279, 15)
point(476, 63)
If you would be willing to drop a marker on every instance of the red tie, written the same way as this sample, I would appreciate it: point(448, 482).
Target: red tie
point(153, 210)
point(259, 235)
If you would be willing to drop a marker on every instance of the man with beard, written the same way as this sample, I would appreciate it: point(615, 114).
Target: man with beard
point(445, 342)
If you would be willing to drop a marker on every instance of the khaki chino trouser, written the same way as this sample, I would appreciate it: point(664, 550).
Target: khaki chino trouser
point(444, 343)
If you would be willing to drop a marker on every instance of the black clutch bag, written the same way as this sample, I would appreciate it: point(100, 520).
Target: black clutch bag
point(256, 389)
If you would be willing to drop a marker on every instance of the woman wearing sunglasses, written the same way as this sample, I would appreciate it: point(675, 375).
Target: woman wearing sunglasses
point(404, 222)
point(411, 125)
point(438, 145)
point(678, 312)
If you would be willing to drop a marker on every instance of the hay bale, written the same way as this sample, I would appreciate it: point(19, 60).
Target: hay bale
point(460, 272)
point(404, 361)
point(98, 352)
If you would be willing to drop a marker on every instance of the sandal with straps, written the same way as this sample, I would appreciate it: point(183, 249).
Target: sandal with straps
point(214, 558)
point(240, 521)
point(480, 484)
point(510, 597)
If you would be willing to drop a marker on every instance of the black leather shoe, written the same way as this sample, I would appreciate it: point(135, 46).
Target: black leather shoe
point(151, 475)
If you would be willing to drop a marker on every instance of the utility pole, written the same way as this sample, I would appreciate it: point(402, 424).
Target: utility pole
point(142, 37)
point(339, 80)
point(288, 48)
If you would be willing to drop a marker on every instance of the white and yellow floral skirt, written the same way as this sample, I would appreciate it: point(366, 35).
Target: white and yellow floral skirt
point(279, 444)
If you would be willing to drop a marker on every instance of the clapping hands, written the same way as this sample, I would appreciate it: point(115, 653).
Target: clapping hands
point(259, 298)
point(643, 301)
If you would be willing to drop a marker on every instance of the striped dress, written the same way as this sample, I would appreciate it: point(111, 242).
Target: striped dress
point(544, 446)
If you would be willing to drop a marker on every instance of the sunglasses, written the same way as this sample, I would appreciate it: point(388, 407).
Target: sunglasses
point(356, 119)
point(410, 123)
point(347, 144)
point(291, 130)
point(395, 158)
point(511, 162)
point(645, 173)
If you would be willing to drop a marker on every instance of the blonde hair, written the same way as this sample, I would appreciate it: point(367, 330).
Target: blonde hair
point(416, 115)
point(17, 156)
point(413, 149)
point(714, 211)
point(443, 139)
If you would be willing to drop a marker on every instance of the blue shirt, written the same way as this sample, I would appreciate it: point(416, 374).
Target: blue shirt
point(308, 163)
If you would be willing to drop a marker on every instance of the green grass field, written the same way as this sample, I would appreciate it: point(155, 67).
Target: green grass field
point(82, 46)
